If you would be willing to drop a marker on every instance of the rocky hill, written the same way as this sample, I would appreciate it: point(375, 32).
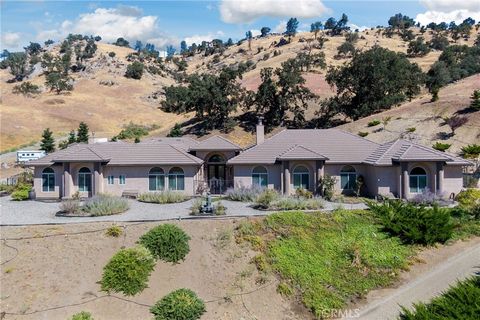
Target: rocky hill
point(105, 99)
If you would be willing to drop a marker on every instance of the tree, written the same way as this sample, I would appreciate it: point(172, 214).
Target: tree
point(330, 23)
point(373, 80)
point(121, 42)
point(400, 22)
point(315, 28)
point(33, 48)
point(19, 66)
point(134, 70)
point(292, 26)
point(183, 47)
point(228, 43)
point(475, 100)
point(47, 143)
point(418, 48)
point(346, 49)
point(248, 36)
point(176, 131)
point(82, 133)
point(264, 31)
point(455, 122)
point(170, 51)
point(438, 42)
point(49, 42)
point(138, 46)
point(58, 82)
point(97, 38)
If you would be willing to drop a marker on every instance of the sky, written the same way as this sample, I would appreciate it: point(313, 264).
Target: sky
point(169, 22)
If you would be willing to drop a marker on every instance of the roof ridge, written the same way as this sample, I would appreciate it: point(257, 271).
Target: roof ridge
point(393, 142)
point(227, 140)
point(187, 154)
point(353, 135)
point(308, 149)
point(448, 155)
point(98, 155)
point(290, 148)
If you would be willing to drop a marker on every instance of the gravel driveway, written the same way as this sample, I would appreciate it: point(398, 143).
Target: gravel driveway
point(37, 212)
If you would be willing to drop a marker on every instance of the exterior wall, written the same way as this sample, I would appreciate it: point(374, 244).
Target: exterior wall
point(37, 182)
point(243, 175)
point(137, 178)
point(453, 180)
point(74, 168)
point(384, 180)
point(361, 169)
point(431, 170)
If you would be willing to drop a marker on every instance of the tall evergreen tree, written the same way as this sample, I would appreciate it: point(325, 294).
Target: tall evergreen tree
point(71, 137)
point(48, 143)
point(292, 26)
point(82, 133)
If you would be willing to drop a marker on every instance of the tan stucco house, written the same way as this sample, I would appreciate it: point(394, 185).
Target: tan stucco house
point(286, 161)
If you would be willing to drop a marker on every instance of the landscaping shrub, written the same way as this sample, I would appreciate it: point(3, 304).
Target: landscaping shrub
point(468, 198)
point(426, 197)
point(362, 134)
point(303, 193)
point(83, 315)
point(327, 186)
point(374, 123)
point(458, 302)
point(181, 304)
point(104, 205)
point(290, 203)
point(128, 271)
point(21, 191)
point(441, 146)
point(265, 198)
point(114, 231)
point(471, 151)
point(414, 224)
point(219, 209)
point(166, 242)
point(244, 194)
point(163, 197)
point(196, 207)
point(70, 206)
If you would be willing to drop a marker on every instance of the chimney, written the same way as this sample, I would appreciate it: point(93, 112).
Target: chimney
point(260, 131)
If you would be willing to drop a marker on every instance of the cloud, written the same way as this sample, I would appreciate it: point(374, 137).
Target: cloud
point(255, 32)
point(206, 37)
point(448, 10)
point(280, 27)
point(245, 11)
point(353, 27)
point(11, 40)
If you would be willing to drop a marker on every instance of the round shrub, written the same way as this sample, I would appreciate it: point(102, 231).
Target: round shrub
point(128, 271)
point(468, 198)
point(83, 315)
point(181, 304)
point(167, 242)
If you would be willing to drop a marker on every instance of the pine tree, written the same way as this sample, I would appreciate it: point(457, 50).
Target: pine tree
point(48, 143)
point(475, 103)
point(71, 137)
point(82, 133)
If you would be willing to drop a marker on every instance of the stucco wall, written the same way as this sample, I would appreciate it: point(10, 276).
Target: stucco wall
point(453, 180)
point(335, 169)
point(243, 176)
point(137, 178)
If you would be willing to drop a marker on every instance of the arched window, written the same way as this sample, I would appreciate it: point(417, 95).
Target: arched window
point(48, 180)
point(84, 179)
point(176, 179)
point(216, 158)
point(418, 180)
point(348, 178)
point(301, 178)
point(156, 179)
point(260, 177)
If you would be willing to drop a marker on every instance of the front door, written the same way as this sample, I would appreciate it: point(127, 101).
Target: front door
point(216, 174)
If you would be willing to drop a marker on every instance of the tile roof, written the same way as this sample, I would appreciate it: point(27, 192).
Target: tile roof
point(336, 145)
point(216, 143)
point(299, 152)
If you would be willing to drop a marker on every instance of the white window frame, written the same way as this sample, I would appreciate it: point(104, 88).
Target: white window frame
point(124, 179)
point(110, 180)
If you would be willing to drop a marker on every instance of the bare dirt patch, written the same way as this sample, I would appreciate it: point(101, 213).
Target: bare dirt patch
point(63, 270)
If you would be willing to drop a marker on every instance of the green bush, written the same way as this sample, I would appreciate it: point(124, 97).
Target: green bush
point(414, 224)
point(27, 89)
point(458, 302)
point(374, 123)
point(83, 315)
point(244, 194)
point(111, 54)
point(468, 198)
point(128, 271)
point(181, 304)
point(70, 206)
point(167, 242)
point(196, 207)
point(219, 209)
point(21, 191)
point(290, 203)
point(362, 134)
point(265, 198)
point(441, 146)
point(163, 197)
point(134, 70)
point(104, 205)
point(114, 231)
point(471, 151)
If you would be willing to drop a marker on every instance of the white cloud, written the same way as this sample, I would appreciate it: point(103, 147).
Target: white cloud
point(206, 37)
point(448, 10)
point(280, 27)
point(244, 11)
point(353, 27)
point(11, 40)
point(255, 32)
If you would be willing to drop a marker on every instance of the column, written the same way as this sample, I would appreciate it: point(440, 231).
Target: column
point(439, 177)
point(319, 175)
point(406, 180)
point(67, 180)
point(286, 177)
point(97, 178)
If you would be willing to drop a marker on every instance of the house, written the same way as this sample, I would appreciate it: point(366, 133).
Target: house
point(28, 155)
point(286, 161)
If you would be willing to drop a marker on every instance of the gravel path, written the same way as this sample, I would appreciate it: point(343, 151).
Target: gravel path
point(37, 212)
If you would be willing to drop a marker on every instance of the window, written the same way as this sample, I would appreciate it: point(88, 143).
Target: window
point(216, 158)
point(111, 179)
point(121, 179)
point(260, 177)
point(84, 179)
point(348, 178)
point(301, 178)
point(48, 180)
point(176, 179)
point(156, 179)
point(418, 180)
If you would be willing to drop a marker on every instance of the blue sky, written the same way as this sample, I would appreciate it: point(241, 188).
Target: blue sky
point(169, 22)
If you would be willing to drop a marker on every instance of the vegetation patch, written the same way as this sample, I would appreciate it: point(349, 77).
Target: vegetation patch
point(83, 315)
point(244, 194)
point(114, 231)
point(128, 271)
point(270, 199)
point(163, 197)
point(458, 302)
point(21, 192)
point(104, 205)
point(327, 259)
point(166, 242)
point(181, 304)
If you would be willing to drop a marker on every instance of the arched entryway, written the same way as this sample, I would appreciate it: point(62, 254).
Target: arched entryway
point(216, 173)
